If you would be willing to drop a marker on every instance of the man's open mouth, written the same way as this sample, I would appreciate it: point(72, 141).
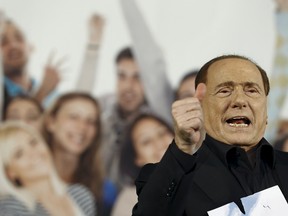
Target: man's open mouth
point(239, 121)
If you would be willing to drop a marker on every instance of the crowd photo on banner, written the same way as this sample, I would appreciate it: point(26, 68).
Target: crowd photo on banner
point(153, 146)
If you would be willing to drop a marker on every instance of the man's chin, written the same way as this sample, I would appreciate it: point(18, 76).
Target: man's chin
point(241, 140)
point(14, 69)
point(128, 110)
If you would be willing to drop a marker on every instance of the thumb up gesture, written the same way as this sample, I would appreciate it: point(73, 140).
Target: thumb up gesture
point(188, 121)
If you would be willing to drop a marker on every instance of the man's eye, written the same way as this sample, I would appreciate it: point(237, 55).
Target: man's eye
point(251, 91)
point(224, 92)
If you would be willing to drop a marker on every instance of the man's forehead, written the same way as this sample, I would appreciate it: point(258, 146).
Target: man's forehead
point(233, 67)
point(11, 27)
point(127, 67)
point(232, 62)
point(234, 70)
point(127, 73)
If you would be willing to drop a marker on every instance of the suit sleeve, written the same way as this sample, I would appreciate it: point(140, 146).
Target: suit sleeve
point(157, 185)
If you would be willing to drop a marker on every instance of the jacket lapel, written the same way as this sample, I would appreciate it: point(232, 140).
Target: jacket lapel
point(216, 181)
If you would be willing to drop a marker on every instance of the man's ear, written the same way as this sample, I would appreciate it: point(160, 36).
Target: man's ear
point(200, 91)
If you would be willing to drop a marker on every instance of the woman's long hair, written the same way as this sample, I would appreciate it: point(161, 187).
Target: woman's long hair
point(89, 171)
point(128, 155)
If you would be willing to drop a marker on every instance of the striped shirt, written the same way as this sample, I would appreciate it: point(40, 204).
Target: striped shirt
point(81, 196)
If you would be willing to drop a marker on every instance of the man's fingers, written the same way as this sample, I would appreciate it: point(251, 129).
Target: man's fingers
point(188, 120)
point(186, 117)
point(194, 124)
point(200, 91)
point(53, 64)
point(185, 108)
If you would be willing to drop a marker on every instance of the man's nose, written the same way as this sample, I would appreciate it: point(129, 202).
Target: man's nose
point(13, 43)
point(239, 99)
point(129, 83)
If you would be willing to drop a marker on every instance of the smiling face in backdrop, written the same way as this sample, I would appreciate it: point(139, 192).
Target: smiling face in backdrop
point(30, 159)
point(73, 127)
point(14, 48)
point(130, 92)
point(151, 139)
point(26, 110)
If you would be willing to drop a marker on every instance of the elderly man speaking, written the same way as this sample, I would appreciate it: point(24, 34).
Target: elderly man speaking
point(219, 154)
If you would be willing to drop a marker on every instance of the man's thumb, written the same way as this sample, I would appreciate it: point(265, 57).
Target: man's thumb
point(200, 91)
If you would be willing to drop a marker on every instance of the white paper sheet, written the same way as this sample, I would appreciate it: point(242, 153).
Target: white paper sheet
point(269, 202)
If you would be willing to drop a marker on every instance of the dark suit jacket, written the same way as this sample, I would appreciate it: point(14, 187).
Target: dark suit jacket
point(195, 184)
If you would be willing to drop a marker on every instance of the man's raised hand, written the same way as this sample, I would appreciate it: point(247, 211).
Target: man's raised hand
point(188, 121)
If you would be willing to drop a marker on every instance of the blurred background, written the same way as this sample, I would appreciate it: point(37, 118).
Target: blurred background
point(190, 32)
